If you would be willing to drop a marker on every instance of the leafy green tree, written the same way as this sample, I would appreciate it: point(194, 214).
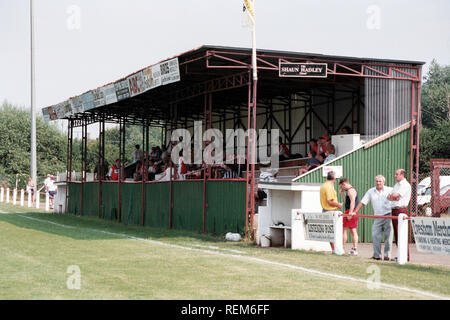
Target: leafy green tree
point(15, 143)
point(435, 103)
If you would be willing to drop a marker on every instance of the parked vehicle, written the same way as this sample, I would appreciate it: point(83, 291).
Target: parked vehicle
point(424, 194)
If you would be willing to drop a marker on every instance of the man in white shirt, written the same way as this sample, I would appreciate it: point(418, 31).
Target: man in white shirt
point(137, 154)
point(381, 207)
point(399, 198)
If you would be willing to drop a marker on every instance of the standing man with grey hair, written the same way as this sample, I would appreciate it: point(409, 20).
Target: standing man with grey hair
point(399, 198)
point(381, 207)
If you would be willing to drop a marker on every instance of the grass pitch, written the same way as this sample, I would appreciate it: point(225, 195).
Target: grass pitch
point(130, 262)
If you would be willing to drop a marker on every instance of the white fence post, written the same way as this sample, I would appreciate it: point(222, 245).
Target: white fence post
point(2, 194)
point(22, 196)
point(29, 199)
point(7, 195)
point(402, 255)
point(338, 232)
point(47, 201)
point(38, 199)
point(14, 196)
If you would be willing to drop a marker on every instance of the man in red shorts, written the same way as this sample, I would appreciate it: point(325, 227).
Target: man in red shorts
point(350, 223)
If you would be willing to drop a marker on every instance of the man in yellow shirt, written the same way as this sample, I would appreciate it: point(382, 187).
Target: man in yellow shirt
point(328, 197)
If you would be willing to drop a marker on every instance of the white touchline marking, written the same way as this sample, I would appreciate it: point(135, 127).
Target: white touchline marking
point(218, 248)
point(248, 258)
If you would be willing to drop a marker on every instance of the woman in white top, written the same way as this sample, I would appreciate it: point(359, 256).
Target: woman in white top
point(165, 176)
point(331, 150)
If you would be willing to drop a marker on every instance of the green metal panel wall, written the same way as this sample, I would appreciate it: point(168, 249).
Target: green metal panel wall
point(226, 207)
point(110, 204)
point(361, 167)
point(157, 197)
point(225, 199)
point(90, 199)
point(187, 211)
point(131, 211)
point(74, 201)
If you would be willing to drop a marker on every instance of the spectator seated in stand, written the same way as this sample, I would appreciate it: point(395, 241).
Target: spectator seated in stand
point(113, 173)
point(347, 130)
point(331, 153)
point(284, 152)
point(165, 155)
point(137, 176)
point(165, 176)
point(313, 145)
point(182, 168)
point(313, 162)
point(322, 143)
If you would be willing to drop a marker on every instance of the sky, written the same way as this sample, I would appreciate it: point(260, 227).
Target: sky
point(84, 44)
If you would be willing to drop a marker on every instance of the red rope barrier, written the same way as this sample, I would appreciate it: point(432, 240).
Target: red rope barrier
point(374, 217)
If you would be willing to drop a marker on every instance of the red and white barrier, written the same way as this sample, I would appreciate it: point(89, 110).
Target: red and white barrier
point(402, 254)
point(2, 194)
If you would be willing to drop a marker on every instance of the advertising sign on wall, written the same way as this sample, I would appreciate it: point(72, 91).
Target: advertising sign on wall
point(319, 226)
point(99, 97)
point(122, 89)
point(77, 105)
point(303, 70)
point(88, 101)
point(109, 92)
point(170, 71)
point(136, 84)
point(432, 235)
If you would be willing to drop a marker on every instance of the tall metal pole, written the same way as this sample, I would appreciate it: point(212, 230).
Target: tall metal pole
point(33, 166)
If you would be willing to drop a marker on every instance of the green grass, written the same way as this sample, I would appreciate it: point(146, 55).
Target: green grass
point(35, 256)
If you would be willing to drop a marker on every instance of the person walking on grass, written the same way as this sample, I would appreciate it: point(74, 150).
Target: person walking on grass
point(350, 223)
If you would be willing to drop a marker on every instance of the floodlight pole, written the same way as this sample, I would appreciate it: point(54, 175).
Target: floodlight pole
point(251, 152)
point(33, 166)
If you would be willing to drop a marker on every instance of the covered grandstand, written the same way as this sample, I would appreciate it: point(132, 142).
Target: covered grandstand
point(376, 98)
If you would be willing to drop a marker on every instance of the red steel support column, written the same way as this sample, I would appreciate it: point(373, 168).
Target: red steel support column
point(251, 154)
point(69, 158)
point(83, 162)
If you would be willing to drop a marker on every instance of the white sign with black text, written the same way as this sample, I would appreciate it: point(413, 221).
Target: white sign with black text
point(432, 235)
point(319, 226)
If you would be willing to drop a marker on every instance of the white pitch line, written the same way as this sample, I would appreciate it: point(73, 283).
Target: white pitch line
point(248, 258)
point(218, 248)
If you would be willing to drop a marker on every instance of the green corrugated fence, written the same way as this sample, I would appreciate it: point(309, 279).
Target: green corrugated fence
point(225, 204)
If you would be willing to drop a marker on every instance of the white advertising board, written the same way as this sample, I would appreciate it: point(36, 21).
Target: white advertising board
point(319, 226)
point(109, 92)
point(337, 170)
point(432, 235)
point(122, 89)
point(136, 84)
point(99, 97)
point(77, 105)
point(88, 101)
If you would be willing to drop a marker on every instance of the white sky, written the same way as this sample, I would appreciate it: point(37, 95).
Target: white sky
point(118, 37)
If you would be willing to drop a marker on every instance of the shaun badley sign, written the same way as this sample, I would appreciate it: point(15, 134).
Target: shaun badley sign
point(303, 70)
